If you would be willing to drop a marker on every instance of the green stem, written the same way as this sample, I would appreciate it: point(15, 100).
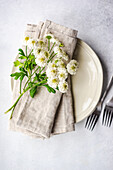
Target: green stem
point(35, 71)
point(30, 52)
point(52, 47)
point(30, 78)
point(26, 50)
point(52, 57)
point(48, 44)
point(15, 103)
point(20, 86)
point(12, 112)
point(42, 69)
point(26, 84)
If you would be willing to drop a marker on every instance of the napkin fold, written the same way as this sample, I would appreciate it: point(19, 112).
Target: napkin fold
point(46, 114)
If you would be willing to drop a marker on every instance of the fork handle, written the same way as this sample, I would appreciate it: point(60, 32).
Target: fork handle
point(107, 89)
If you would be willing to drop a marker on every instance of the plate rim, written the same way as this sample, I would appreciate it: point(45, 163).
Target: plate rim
point(84, 44)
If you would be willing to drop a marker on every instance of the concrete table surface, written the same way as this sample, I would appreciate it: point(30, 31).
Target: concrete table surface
point(79, 150)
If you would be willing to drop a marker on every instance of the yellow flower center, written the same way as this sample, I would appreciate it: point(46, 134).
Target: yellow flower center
point(54, 81)
point(38, 50)
point(26, 38)
point(73, 67)
point(40, 43)
point(53, 71)
point(42, 59)
point(33, 42)
point(63, 65)
point(65, 86)
point(53, 65)
point(61, 75)
point(46, 54)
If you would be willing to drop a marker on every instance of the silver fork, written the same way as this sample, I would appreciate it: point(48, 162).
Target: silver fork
point(108, 113)
point(93, 118)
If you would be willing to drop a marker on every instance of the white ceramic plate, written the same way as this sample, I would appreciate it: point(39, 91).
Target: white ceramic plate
point(87, 83)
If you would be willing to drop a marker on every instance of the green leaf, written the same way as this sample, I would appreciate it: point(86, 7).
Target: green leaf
point(30, 84)
point(31, 57)
point(43, 74)
point(22, 57)
point(21, 52)
point(16, 75)
point(26, 65)
point(43, 82)
point(23, 70)
point(17, 63)
point(48, 37)
point(33, 91)
point(22, 76)
point(50, 89)
point(37, 77)
point(32, 66)
point(57, 88)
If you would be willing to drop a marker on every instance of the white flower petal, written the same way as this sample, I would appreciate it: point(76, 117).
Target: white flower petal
point(32, 43)
point(63, 86)
point(26, 40)
point(55, 40)
point(52, 65)
point(37, 51)
point(51, 72)
point(62, 74)
point(41, 61)
point(72, 67)
point(53, 82)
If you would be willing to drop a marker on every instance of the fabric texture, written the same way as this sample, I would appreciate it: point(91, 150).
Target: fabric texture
point(46, 114)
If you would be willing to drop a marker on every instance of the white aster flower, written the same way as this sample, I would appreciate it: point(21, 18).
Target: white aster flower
point(32, 43)
point(72, 67)
point(55, 40)
point(62, 74)
point(65, 56)
point(61, 64)
point(51, 65)
point(41, 61)
point(63, 86)
point(56, 61)
point(53, 82)
point(41, 44)
point(40, 52)
point(46, 54)
point(26, 40)
point(57, 50)
point(51, 72)
point(37, 51)
point(60, 53)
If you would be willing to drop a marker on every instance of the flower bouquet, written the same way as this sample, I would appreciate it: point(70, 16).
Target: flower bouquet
point(46, 64)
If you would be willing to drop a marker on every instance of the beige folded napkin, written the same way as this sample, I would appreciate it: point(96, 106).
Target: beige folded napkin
point(46, 114)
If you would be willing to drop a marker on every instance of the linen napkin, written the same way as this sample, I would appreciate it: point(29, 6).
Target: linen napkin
point(57, 114)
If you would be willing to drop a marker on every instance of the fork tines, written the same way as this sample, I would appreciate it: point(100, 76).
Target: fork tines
point(107, 116)
point(91, 121)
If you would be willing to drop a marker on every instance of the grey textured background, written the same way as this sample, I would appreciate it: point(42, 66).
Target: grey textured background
point(79, 150)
